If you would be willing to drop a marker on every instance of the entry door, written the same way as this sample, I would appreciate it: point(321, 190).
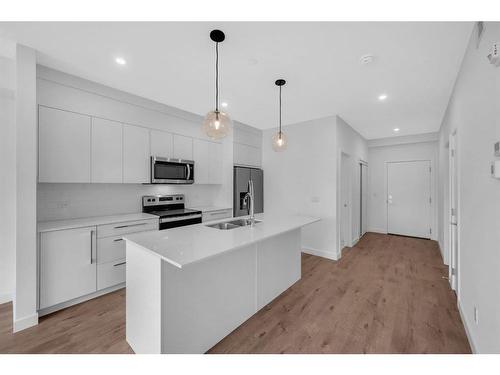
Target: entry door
point(363, 199)
point(409, 198)
point(345, 202)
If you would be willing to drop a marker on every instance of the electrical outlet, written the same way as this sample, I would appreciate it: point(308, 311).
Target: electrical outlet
point(476, 315)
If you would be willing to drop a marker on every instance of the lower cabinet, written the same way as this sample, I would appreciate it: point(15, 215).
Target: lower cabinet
point(67, 265)
point(75, 263)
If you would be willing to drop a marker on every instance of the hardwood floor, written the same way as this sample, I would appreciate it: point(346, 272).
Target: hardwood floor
point(386, 295)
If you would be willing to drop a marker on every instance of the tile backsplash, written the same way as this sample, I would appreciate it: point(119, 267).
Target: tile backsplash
point(65, 201)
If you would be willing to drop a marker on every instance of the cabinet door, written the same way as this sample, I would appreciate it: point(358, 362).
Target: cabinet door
point(63, 146)
point(135, 154)
point(107, 151)
point(67, 265)
point(201, 150)
point(183, 147)
point(161, 143)
point(216, 163)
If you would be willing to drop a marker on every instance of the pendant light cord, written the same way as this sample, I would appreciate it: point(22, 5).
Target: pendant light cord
point(217, 77)
point(280, 112)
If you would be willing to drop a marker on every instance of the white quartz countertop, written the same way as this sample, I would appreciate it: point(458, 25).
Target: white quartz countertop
point(210, 208)
point(47, 226)
point(194, 243)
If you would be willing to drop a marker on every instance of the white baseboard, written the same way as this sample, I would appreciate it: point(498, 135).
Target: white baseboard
point(26, 322)
point(5, 297)
point(377, 230)
point(467, 330)
point(355, 241)
point(321, 253)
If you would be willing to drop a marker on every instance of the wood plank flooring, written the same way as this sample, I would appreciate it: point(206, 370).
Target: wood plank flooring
point(386, 295)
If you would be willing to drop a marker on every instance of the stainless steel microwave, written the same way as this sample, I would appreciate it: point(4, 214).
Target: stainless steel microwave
point(171, 171)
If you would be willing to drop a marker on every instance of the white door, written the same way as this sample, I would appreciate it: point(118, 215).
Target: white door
point(345, 204)
point(67, 265)
point(409, 198)
point(63, 146)
point(107, 151)
point(136, 149)
point(453, 215)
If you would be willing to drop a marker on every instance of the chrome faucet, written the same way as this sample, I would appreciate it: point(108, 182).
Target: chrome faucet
point(249, 198)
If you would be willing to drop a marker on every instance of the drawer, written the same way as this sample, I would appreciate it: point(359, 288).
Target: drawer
point(126, 227)
point(217, 215)
point(110, 249)
point(110, 274)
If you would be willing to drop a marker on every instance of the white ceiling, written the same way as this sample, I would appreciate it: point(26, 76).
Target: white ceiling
point(415, 64)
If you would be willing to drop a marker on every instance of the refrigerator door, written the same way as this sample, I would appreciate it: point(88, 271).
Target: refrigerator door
point(257, 176)
point(240, 181)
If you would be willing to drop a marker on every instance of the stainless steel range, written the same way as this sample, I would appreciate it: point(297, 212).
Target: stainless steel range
point(171, 210)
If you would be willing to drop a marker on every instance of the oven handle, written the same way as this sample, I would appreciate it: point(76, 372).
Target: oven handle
point(169, 220)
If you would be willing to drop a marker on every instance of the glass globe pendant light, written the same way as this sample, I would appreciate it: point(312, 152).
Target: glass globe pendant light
point(279, 139)
point(217, 124)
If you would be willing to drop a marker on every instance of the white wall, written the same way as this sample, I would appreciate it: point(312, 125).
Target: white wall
point(302, 180)
point(353, 144)
point(377, 177)
point(474, 112)
point(60, 201)
point(7, 169)
point(25, 313)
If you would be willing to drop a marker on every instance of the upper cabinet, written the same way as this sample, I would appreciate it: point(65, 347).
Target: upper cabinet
point(183, 147)
point(135, 154)
point(207, 162)
point(161, 143)
point(247, 149)
point(107, 151)
point(64, 146)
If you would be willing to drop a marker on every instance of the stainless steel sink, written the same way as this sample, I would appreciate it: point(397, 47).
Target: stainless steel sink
point(232, 224)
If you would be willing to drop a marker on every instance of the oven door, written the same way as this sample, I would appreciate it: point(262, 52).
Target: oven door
point(171, 171)
point(179, 221)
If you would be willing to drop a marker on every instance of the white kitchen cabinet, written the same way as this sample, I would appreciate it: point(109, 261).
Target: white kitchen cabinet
point(107, 151)
point(63, 146)
point(161, 143)
point(201, 157)
point(183, 147)
point(208, 162)
point(135, 154)
point(225, 213)
point(247, 155)
point(67, 265)
point(216, 165)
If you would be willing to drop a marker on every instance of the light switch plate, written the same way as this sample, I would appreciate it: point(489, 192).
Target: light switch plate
point(497, 149)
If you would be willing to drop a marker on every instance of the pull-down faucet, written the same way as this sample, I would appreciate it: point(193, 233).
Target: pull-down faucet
point(249, 197)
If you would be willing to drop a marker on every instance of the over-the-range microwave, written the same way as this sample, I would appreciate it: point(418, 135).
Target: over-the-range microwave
point(171, 171)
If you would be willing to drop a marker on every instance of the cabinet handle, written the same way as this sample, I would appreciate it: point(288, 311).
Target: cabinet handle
point(92, 246)
point(129, 225)
point(119, 264)
point(118, 239)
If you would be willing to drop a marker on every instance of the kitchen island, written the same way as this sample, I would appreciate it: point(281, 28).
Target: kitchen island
point(189, 287)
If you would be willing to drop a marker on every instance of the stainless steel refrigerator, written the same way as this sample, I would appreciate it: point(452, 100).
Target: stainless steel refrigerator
point(240, 181)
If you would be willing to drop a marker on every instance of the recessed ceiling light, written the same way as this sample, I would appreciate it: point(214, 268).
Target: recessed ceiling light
point(395, 130)
point(382, 97)
point(120, 61)
point(224, 104)
point(366, 59)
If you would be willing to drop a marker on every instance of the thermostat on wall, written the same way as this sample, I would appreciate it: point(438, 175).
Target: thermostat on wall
point(495, 169)
point(497, 149)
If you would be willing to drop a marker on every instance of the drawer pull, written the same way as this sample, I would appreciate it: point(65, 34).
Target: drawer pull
point(129, 225)
point(118, 239)
point(119, 264)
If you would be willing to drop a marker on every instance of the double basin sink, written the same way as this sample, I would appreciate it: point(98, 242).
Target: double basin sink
point(232, 224)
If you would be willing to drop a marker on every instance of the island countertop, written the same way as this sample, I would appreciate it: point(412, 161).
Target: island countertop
point(194, 243)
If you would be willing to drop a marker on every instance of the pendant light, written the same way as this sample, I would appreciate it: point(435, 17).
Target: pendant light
point(279, 139)
point(217, 124)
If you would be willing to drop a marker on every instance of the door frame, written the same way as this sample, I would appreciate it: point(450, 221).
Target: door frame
point(432, 181)
point(453, 196)
point(340, 174)
point(362, 163)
